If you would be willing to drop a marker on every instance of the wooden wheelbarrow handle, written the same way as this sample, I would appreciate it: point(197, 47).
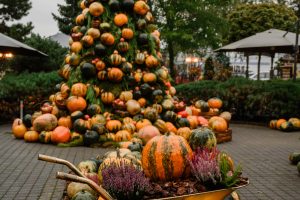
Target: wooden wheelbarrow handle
point(92, 184)
point(60, 161)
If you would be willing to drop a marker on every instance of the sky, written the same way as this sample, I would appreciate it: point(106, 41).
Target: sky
point(41, 17)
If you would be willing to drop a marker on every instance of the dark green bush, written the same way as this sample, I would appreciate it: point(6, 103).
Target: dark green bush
point(248, 100)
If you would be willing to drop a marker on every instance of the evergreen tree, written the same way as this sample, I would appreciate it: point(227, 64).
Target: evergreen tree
point(68, 13)
point(11, 11)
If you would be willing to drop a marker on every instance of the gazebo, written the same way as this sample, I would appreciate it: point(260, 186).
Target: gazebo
point(264, 43)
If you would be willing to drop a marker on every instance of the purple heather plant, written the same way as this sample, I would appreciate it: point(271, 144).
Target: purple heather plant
point(125, 181)
point(204, 165)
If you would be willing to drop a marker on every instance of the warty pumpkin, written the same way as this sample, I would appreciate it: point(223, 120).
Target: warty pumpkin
point(164, 158)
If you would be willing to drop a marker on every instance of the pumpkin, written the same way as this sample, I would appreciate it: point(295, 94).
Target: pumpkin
point(87, 41)
point(98, 119)
point(147, 133)
point(99, 128)
point(74, 59)
point(75, 103)
point(151, 114)
point(93, 32)
point(172, 91)
point(74, 188)
point(272, 124)
point(202, 105)
point(115, 59)
point(45, 136)
point(107, 97)
point(142, 123)
point(149, 78)
point(80, 19)
point(61, 134)
point(294, 121)
point(18, 129)
point(157, 96)
point(115, 74)
point(141, 7)
point(286, 126)
point(45, 122)
point(124, 144)
point(294, 158)
point(167, 104)
point(65, 90)
point(226, 115)
point(27, 120)
point(218, 124)
point(164, 158)
point(59, 100)
point(84, 195)
point(123, 46)
point(157, 107)
point(93, 109)
point(122, 135)
point(133, 107)
point(141, 24)
point(120, 19)
point(182, 122)
point(142, 102)
point(170, 116)
point(193, 121)
point(127, 69)
point(185, 132)
point(171, 127)
point(76, 115)
point(215, 103)
point(161, 126)
point(151, 61)
point(31, 136)
point(130, 127)
point(135, 147)
point(140, 58)
point(100, 65)
point(126, 96)
point(96, 9)
point(65, 121)
point(65, 72)
point(81, 125)
point(90, 137)
point(202, 138)
point(127, 33)
point(127, 120)
point(107, 39)
point(76, 47)
point(102, 75)
point(202, 121)
point(79, 89)
point(113, 125)
point(114, 5)
point(88, 70)
point(127, 5)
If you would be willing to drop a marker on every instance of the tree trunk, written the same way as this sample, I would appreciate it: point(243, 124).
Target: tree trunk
point(171, 58)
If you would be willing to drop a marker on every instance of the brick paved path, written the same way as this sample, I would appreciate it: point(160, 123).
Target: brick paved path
point(262, 152)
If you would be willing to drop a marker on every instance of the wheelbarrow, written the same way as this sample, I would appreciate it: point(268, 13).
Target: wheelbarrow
point(79, 177)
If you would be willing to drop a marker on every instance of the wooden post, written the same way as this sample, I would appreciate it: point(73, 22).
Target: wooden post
point(272, 66)
point(258, 66)
point(247, 66)
point(21, 109)
point(296, 51)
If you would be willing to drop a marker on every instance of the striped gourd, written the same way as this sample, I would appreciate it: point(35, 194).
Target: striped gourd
point(164, 157)
point(202, 138)
point(123, 46)
point(115, 59)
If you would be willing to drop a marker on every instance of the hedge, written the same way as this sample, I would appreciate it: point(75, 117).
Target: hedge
point(249, 100)
point(33, 88)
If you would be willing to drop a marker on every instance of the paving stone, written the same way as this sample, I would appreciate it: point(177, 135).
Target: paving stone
point(262, 152)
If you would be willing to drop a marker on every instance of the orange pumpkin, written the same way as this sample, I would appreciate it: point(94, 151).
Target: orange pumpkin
point(193, 120)
point(142, 123)
point(195, 111)
point(130, 127)
point(125, 144)
point(147, 133)
point(76, 47)
point(142, 101)
point(122, 135)
point(127, 33)
point(133, 107)
point(171, 127)
point(107, 97)
point(65, 121)
point(184, 132)
point(151, 61)
point(113, 125)
point(80, 19)
point(31, 136)
point(219, 125)
point(126, 96)
point(94, 32)
point(279, 122)
point(61, 134)
point(120, 19)
point(127, 120)
point(100, 65)
point(115, 74)
point(158, 107)
point(107, 39)
point(149, 78)
point(96, 9)
point(65, 90)
point(59, 100)
point(215, 102)
point(141, 7)
point(87, 40)
point(202, 121)
point(79, 89)
point(75, 103)
point(18, 129)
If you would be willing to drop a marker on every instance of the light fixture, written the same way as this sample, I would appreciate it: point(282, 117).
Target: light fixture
point(195, 60)
point(6, 55)
point(188, 59)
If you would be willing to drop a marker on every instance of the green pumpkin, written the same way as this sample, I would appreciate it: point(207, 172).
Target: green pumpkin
point(127, 67)
point(88, 70)
point(76, 115)
point(90, 137)
point(45, 137)
point(182, 122)
point(151, 114)
point(84, 195)
point(27, 120)
point(80, 126)
point(157, 96)
point(135, 147)
point(202, 105)
point(294, 158)
point(202, 138)
point(93, 109)
point(99, 128)
point(161, 126)
point(170, 116)
point(145, 89)
point(286, 126)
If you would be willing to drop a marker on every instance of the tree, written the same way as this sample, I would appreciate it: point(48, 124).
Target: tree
point(248, 19)
point(68, 13)
point(11, 11)
point(54, 51)
point(188, 25)
point(209, 69)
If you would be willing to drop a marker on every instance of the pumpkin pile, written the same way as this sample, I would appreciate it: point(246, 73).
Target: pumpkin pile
point(293, 124)
point(115, 88)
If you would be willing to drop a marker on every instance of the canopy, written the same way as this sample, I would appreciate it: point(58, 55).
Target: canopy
point(270, 41)
point(10, 45)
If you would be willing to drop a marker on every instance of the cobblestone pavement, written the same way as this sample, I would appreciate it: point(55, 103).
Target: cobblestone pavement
point(262, 152)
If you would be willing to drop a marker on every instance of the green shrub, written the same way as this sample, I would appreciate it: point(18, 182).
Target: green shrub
point(247, 99)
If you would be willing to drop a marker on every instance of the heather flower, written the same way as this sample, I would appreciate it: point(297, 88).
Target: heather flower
point(125, 181)
point(204, 166)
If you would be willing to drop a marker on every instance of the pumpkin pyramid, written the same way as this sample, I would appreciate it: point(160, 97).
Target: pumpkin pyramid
point(114, 86)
